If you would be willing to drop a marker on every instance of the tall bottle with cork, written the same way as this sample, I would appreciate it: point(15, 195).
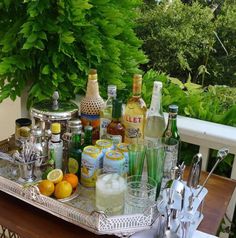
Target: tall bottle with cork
point(155, 123)
point(135, 112)
point(92, 104)
point(106, 112)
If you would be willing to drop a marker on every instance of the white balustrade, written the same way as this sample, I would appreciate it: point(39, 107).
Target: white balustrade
point(209, 135)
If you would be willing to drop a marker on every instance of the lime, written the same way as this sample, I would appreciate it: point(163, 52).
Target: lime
point(46, 172)
point(73, 165)
point(55, 176)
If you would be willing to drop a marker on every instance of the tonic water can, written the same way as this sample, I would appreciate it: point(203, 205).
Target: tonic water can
point(123, 148)
point(114, 162)
point(91, 166)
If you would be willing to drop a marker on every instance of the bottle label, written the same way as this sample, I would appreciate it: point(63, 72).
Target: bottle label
point(116, 139)
point(104, 122)
point(134, 127)
point(55, 137)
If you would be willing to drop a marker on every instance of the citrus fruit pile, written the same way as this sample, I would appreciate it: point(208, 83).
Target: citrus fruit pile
point(58, 185)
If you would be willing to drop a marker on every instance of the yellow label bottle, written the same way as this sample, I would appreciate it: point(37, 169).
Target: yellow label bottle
point(135, 113)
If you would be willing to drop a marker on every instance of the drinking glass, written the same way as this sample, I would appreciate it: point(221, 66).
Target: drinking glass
point(155, 155)
point(140, 194)
point(110, 190)
point(136, 153)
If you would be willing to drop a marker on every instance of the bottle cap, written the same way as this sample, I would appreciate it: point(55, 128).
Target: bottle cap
point(116, 108)
point(56, 128)
point(111, 90)
point(173, 108)
point(75, 125)
point(23, 122)
point(88, 128)
point(137, 84)
point(92, 74)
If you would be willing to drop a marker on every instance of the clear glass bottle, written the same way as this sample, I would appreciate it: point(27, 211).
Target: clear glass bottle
point(155, 123)
point(74, 160)
point(115, 129)
point(135, 112)
point(106, 112)
point(56, 144)
point(92, 104)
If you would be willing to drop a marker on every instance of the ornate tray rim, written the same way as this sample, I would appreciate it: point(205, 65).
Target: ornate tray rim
point(95, 222)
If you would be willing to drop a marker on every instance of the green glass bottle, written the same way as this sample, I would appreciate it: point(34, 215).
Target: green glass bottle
point(88, 139)
point(74, 161)
point(171, 130)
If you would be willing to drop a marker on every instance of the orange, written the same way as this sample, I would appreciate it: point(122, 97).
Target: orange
point(63, 190)
point(72, 179)
point(46, 187)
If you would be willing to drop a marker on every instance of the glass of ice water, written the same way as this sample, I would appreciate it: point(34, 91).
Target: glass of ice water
point(110, 192)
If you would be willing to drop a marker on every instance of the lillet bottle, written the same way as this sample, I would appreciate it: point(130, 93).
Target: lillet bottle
point(155, 123)
point(92, 104)
point(135, 112)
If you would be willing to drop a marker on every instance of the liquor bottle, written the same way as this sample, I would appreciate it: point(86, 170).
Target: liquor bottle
point(56, 144)
point(115, 129)
point(92, 104)
point(88, 140)
point(135, 113)
point(74, 161)
point(106, 112)
point(171, 130)
point(155, 122)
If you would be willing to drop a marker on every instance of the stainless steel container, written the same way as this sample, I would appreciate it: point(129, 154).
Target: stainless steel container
point(46, 112)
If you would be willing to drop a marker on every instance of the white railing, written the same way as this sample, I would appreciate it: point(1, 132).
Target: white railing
point(209, 135)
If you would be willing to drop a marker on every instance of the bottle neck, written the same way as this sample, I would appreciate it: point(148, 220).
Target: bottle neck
point(88, 140)
point(156, 103)
point(92, 88)
point(172, 121)
point(56, 137)
point(137, 88)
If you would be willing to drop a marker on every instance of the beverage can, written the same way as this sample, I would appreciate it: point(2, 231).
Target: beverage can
point(114, 162)
point(90, 165)
point(104, 145)
point(123, 148)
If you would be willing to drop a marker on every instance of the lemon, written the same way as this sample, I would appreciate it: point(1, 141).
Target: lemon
point(46, 187)
point(63, 190)
point(55, 176)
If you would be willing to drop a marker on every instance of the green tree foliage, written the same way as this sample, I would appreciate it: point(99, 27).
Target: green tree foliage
point(212, 103)
point(52, 44)
point(194, 39)
point(177, 37)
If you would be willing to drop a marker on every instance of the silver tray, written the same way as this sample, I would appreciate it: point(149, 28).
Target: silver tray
point(79, 210)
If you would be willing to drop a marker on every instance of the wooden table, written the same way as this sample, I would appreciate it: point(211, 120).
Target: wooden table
point(31, 222)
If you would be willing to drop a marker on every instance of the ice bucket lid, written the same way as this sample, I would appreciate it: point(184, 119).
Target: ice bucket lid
point(54, 110)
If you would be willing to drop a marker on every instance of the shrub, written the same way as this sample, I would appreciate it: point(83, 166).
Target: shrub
point(52, 44)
